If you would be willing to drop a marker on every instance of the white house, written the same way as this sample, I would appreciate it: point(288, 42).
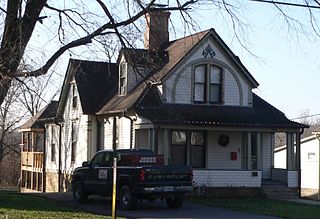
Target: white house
point(310, 165)
point(190, 99)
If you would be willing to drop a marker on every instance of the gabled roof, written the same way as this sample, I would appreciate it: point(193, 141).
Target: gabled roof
point(47, 114)
point(97, 83)
point(175, 51)
point(172, 54)
point(261, 115)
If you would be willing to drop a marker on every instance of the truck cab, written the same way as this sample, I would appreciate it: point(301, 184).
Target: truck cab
point(140, 175)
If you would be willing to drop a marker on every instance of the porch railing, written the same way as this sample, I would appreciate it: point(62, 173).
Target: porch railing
point(32, 161)
point(227, 178)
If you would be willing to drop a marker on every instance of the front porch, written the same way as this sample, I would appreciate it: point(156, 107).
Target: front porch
point(246, 183)
point(244, 178)
point(32, 160)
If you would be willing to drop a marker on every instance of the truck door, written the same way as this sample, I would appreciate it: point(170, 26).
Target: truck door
point(105, 174)
point(92, 179)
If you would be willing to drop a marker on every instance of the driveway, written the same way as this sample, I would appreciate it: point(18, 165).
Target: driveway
point(155, 209)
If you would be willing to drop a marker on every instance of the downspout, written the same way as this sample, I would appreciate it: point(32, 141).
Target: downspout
point(44, 162)
point(60, 149)
point(131, 129)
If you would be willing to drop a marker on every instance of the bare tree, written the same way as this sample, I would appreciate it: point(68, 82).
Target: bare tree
point(10, 117)
point(75, 23)
point(21, 18)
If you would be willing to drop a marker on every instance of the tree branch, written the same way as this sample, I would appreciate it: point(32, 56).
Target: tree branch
point(81, 41)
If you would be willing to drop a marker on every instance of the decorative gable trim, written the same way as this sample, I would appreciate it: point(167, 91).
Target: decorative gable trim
point(210, 54)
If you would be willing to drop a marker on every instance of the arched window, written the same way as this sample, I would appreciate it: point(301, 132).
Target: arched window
point(207, 84)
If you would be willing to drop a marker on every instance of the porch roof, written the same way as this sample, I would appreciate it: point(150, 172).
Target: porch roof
point(38, 120)
point(262, 114)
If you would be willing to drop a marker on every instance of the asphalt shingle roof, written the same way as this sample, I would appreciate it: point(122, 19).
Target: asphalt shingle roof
point(262, 114)
point(39, 119)
point(97, 83)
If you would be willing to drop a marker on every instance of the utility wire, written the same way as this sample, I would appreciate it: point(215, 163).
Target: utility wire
point(303, 117)
point(286, 3)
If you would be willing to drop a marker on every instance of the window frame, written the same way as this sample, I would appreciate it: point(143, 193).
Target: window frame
point(123, 74)
point(73, 141)
point(207, 84)
point(203, 147)
point(183, 146)
point(74, 97)
point(53, 145)
point(187, 147)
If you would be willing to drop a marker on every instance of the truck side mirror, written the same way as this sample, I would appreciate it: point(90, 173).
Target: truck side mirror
point(85, 164)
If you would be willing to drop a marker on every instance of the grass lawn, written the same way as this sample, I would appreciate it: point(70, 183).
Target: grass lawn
point(14, 205)
point(278, 208)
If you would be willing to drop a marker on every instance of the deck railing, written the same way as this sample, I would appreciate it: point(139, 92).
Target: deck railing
point(32, 161)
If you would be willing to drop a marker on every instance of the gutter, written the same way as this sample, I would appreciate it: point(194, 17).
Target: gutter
point(60, 149)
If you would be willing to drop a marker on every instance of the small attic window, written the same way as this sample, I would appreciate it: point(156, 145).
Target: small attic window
point(123, 79)
point(74, 97)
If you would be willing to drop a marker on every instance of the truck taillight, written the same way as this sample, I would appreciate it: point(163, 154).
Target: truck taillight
point(142, 175)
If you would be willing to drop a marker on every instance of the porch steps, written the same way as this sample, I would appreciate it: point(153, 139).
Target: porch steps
point(276, 190)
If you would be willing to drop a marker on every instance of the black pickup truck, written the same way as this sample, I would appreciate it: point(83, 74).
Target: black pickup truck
point(140, 175)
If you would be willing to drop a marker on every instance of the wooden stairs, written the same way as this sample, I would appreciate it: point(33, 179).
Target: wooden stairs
point(278, 190)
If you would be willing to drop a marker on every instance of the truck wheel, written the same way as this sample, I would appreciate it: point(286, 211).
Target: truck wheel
point(174, 201)
point(127, 200)
point(79, 194)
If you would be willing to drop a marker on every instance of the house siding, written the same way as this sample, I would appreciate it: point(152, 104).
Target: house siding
point(266, 155)
point(124, 133)
point(219, 157)
point(108, 133)
point(310, 167)
point(179, 84)
point(82, 123)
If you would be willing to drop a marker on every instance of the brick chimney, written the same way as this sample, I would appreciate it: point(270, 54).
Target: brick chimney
point(157, 32)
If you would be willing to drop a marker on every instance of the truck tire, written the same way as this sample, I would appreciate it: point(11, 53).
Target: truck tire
point(79, 194)
point(127, 200)
point(174, 201)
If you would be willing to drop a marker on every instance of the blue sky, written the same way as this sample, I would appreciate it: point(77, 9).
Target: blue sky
point(288, 67)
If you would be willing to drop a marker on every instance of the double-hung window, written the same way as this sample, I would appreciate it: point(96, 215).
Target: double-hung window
point(207, 84)
point(123, 79)
point(53, 145)
point(73, 141)
point(74, 97)
point(188, 148)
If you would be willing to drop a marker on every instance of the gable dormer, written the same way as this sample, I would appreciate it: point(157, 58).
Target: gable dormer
point(208, 74)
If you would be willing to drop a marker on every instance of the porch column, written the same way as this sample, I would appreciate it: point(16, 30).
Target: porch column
point(259, 151)
point(155, 139)
point(290, 151)
point(298, 151)
point(150, 139)
point(166, 143)
point(272, 149)
point(249, 152)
